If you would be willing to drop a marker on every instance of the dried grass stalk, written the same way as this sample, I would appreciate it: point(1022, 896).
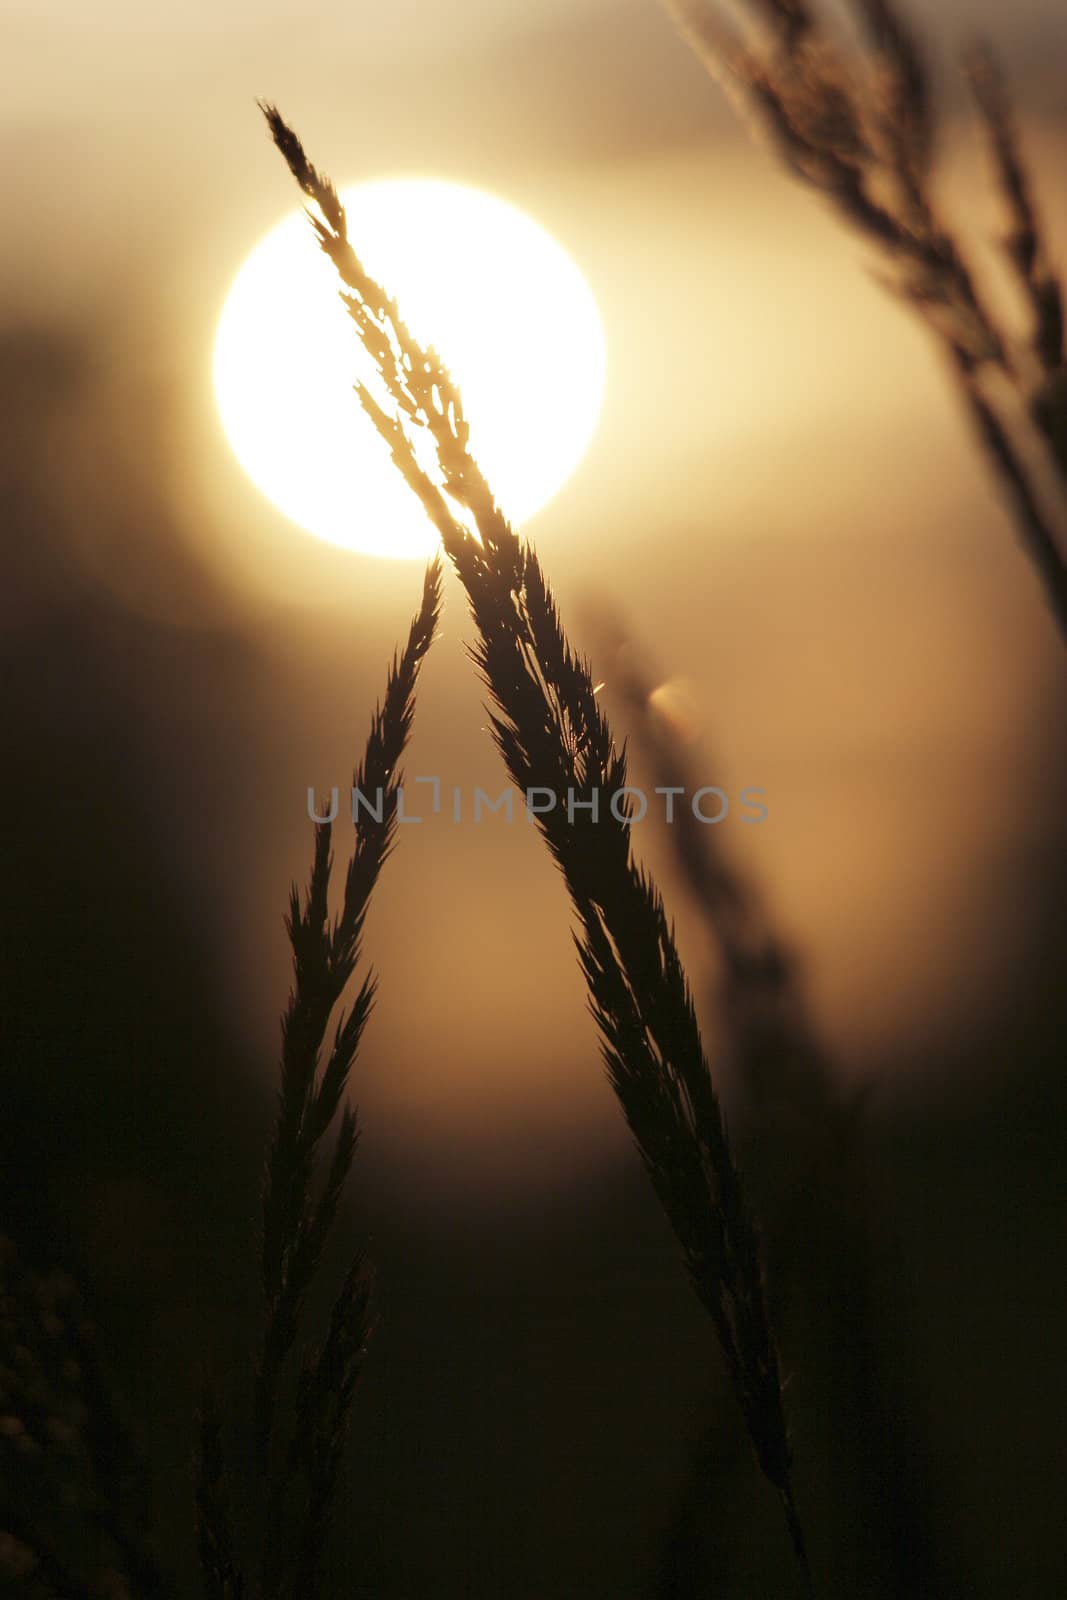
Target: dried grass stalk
point(313, 1079)
point(550, 730)
point(299, 1475)
point(1024, 244)
point(861, 130)
point(762, 1010)
point(1027, 253)
point(325, 956)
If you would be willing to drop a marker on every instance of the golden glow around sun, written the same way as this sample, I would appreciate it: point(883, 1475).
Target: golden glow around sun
point(501, 301)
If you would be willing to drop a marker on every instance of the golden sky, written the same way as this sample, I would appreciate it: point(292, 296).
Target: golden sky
point(781, 501)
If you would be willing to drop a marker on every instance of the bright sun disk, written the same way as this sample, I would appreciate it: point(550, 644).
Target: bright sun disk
point(504, 304)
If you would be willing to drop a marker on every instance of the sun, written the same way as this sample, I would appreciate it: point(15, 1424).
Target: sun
point(496, 295)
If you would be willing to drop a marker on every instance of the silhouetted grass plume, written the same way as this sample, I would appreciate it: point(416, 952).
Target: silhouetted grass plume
point(298, 1473)
point(553, 736)
point(860, 125)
